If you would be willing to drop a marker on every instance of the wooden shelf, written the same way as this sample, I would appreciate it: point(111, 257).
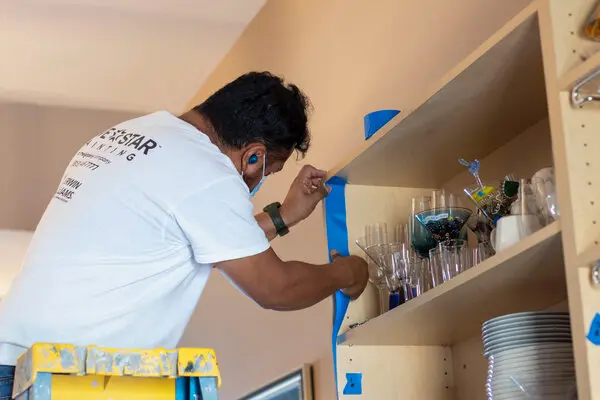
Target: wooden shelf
point(527, 276)
point(569, 79)
point(490, 97)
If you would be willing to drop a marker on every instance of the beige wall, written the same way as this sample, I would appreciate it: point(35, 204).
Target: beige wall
point(37, 143)
point(351, 57)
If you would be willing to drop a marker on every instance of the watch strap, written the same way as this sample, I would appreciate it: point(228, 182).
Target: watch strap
point(273, 211)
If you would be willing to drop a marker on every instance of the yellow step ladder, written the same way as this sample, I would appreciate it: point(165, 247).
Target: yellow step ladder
point(66, 372)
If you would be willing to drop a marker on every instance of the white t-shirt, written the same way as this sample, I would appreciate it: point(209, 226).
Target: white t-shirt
point(126, 245)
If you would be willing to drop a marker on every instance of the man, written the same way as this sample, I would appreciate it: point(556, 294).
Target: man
point(146, 209)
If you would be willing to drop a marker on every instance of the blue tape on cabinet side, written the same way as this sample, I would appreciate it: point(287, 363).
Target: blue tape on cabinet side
point(337, 239)
point(353, 384)
point(594, 332)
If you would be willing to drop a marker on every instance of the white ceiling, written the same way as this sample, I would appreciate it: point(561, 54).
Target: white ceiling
point(135, 55)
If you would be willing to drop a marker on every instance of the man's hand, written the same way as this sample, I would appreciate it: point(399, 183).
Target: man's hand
point(359, 270)
point(306, 191)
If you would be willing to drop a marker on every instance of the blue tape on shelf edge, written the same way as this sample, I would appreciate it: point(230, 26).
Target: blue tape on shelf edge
point(353, 384)
point(375, 120)
point(594, 333)
point(337, 239)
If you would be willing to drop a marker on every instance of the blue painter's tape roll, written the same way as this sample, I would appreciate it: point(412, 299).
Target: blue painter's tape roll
point(376, 120)
point(337, 239)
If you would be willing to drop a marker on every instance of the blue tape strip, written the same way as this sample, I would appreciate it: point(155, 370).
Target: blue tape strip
point(594, 332)
point(376, 120)
point(353, 384)
point(337, 239)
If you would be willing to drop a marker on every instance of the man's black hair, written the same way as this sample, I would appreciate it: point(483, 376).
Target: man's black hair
point(259, 107)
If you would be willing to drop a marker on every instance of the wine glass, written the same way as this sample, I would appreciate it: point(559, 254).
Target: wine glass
point(421, 239)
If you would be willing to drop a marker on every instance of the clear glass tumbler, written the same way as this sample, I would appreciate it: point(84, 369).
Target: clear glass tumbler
point(455, 258)
point(416, 277)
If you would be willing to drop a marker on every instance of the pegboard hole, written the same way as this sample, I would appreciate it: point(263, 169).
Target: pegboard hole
point(587, 164)
point(464, 366)
point(570, 14)
point(574, 51)
point(595, 242)
point(350, 360)
point(583, 125)
point(589, 183)
point(444, 359)
point(585, 145)
point(447, 387)
point(591, 202)
point(594, 222)
point(445, 373)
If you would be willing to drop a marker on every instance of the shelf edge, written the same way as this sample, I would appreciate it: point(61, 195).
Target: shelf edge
point(569, 79)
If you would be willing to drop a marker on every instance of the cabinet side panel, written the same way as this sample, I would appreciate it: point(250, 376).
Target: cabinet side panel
point(470, 369)
point(582, 142)
point(395, 372)
point(584, 304)
point(568, 19)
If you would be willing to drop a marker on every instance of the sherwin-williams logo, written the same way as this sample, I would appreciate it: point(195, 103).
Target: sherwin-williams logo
point(67, 189)
point(123, 143)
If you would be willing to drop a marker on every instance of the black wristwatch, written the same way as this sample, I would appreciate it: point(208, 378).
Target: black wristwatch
point(273, 211)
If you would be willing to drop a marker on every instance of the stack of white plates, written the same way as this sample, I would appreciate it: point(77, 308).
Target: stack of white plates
point(530, 357)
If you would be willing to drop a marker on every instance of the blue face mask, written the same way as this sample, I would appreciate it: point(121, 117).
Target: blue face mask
point(262, 180)
point(253, 191)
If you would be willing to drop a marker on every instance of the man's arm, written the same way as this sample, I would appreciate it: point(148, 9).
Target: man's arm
point(305, 193)
point(266, 223)
point(294, 285)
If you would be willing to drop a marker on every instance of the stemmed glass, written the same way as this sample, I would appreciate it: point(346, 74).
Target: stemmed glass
point(421, 239)
point(384, 259)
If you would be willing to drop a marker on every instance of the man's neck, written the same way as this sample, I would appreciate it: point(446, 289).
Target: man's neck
point(202, 123)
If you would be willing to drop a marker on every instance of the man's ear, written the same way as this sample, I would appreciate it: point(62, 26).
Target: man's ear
point(253, 157)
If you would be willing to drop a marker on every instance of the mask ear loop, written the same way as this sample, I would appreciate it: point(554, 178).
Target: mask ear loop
point(264, 164)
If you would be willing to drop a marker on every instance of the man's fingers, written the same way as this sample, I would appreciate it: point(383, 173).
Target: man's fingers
point(317, 187)
point(324, 190)
point(334, 254)
point(308, 171)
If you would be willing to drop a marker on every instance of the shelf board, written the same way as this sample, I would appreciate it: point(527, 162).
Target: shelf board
point(527, 276)
point(494, 94)
point(568, 80)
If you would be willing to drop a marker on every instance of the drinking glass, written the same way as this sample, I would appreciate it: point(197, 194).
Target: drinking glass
point(480, 253)
point(415, 276)
point(435, 267)
point(421, 239)
point(543, 183)
point(376, 233)
point(455, 258)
